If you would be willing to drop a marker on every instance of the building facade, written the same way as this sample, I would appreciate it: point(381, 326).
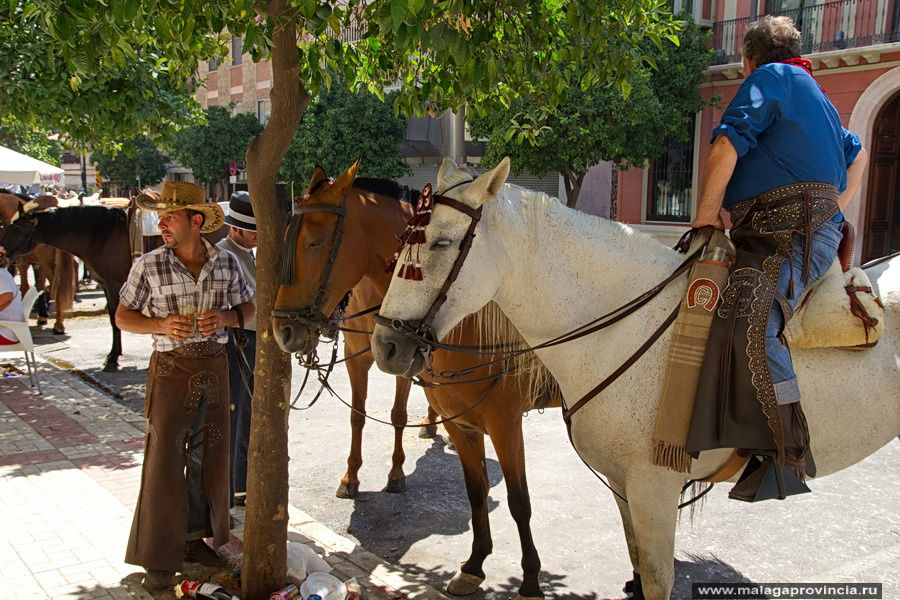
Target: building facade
point(854, 47)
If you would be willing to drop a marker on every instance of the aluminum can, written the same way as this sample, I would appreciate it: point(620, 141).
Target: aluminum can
point(287, 593)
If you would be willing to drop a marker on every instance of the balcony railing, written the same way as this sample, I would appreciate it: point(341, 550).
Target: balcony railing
point(823, 27)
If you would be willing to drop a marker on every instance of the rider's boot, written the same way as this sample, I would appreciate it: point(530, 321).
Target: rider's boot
point(766, 477)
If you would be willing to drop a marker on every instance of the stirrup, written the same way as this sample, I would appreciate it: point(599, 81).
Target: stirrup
point(766, 479)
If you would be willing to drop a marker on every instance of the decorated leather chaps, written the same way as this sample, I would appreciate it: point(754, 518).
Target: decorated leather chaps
point(185, 481)
point(736, 405)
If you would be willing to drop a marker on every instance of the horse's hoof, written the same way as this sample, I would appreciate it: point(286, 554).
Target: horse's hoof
point(347, 490)
point(59, 330)
point(111, 367)
point(633, 588)
point(427, 432)
point(41, 321)
point(464, 584)
point(521, 597)
point(395, 486)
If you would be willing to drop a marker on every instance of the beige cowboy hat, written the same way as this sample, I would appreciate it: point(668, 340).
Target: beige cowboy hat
point(179, 195)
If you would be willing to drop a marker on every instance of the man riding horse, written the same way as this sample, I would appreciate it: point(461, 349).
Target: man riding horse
point(785, 169)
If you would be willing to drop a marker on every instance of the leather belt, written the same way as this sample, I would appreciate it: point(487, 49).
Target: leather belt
point(205, 348)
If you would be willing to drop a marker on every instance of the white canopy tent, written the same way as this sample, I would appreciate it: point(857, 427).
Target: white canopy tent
point(18, 169)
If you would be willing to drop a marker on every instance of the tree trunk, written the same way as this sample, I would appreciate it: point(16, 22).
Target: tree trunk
point(265, 531)
point(572, 181)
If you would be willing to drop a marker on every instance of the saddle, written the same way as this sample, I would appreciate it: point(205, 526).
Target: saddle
point(840, 310)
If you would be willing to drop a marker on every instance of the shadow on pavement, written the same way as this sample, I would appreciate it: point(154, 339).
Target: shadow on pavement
point(703, 569)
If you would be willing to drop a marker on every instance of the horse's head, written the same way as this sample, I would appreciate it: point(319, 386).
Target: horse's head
point(18, 236)
point(455, 272)
point(317, 267)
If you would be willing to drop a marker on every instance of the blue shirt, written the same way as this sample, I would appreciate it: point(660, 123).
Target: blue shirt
point(785, 130)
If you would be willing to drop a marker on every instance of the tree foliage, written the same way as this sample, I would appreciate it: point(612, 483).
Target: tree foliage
point(600, 123)
point(137, 164)
point(29, 138)
point(88, 99)
point(208, 147)
point(443, 54)
point(342, 125)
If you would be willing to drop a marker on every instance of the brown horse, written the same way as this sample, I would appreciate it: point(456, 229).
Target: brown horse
point(49, 264)
point(374, 216)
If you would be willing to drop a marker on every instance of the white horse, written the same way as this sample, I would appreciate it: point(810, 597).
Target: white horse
point(552, 269)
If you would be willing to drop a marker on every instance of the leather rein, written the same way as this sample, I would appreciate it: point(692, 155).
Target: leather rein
point(422, 333)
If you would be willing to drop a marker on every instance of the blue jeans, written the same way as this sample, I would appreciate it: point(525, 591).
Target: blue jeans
point(241, 381)
point(824, 250)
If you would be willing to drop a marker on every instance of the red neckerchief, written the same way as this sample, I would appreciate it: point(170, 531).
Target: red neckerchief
point(806, 65)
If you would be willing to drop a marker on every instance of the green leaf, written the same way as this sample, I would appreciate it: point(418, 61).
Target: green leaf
point(308, 8)
point(416, 6)
point(399, 9)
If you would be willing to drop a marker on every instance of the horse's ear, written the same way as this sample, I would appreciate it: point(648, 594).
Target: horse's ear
point(347, 178)
point(318, 175)
point(488, 185)
point(448, 167)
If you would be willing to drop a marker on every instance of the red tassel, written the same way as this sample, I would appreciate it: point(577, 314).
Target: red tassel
point(417, 273)
point(402, 272)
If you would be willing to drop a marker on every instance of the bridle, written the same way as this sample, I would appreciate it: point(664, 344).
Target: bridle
point(312, 316)
point(26, 231)
point(421, 331)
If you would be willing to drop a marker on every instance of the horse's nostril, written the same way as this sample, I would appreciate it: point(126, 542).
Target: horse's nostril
point(391, 350)
point(285, 333)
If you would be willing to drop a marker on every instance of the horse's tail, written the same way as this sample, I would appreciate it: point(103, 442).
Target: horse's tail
point(63, 281)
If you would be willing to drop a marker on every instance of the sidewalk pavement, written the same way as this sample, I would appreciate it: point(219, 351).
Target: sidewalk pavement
point(70, 472)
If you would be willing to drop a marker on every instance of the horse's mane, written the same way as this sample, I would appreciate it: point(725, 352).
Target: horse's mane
point(387, 187)
point(95, 222)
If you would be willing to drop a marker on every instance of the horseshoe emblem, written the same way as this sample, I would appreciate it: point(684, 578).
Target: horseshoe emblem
point(704, 292)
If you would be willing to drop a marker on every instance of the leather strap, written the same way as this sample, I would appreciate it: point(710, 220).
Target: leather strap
point(731, 466)
point(567, 413)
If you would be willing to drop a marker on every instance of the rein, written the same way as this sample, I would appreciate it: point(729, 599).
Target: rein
point(422, 333)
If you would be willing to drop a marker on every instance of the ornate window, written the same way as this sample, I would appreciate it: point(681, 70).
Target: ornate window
point(671, 181)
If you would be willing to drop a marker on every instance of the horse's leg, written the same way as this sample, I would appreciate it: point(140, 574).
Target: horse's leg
point(112, 303)
point(633, 586)
point(510, 447)
point(470, 447)
point(22, 269)
point(396, 477)
point(652, 502)
point(430, 430)
point(358, 371)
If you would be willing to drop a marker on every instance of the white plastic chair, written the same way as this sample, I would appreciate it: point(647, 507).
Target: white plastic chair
point(23, 333)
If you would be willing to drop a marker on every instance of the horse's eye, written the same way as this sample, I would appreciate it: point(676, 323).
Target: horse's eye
point(316, 242)
point(441, 243)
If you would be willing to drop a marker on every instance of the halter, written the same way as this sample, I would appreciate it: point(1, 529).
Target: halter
point(420, 331)
point(313, 316)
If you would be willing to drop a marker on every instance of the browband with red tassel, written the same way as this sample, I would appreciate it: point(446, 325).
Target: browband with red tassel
point(414, 236)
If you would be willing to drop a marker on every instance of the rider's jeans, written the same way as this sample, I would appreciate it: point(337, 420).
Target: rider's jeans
point(824, 249)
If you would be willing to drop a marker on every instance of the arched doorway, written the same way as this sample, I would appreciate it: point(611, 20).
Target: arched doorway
point(882, 224)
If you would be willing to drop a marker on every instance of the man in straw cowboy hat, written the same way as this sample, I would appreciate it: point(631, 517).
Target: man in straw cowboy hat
point(184, 293)
point(241, 241)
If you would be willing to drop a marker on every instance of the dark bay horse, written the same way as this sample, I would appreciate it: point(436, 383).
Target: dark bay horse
point(50, 264)
point(374, 217)
point(95, 234)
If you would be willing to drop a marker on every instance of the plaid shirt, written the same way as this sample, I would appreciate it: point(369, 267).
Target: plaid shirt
point(160, 285)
